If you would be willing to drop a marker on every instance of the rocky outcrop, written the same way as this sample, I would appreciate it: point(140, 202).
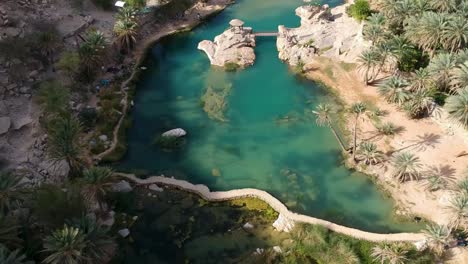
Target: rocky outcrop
point(177, 132)
point(234, 46)
point(324, 31)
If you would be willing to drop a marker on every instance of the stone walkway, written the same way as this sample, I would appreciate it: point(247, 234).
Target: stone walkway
point(204, 192)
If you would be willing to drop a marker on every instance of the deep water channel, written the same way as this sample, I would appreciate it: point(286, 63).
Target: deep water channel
point(264, 137)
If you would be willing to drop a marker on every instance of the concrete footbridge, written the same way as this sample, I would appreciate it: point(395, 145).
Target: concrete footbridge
point(266, 34)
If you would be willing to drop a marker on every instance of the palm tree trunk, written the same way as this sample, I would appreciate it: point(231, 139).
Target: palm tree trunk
point(354, 137)
point(343, 148)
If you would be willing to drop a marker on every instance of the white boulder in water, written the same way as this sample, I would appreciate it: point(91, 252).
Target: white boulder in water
point(178, 132)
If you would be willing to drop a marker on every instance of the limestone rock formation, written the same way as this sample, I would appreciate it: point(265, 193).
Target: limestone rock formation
point(234, 46)
point(324, 31)
point(283, 224)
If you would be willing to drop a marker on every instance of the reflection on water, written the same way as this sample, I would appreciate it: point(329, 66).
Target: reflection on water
point(258, 134)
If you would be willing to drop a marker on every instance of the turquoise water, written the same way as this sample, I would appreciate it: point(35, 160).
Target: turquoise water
point(268, 138)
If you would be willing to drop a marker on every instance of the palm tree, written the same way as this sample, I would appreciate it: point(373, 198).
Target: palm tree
point(444, 6)
point(53, 98)
point(65, 245)
point(462, 185)
point(457, 106)
point(394, 90)
point(10, 194)
point(393, 254)
point(426, 31)
point(369, 153)
point(323, 112)
point(370, 62)
point(96, 183)
point(125, 31)
point(357, 109)
point(419, 104)
point(460, 76)
point(406, 167)
point(47, 42)
point(99, 244)
point(441, 68)
point(127, 13)
point(374, 29)
point(9, 235)
point(438, 237)
point(421, 80)
point(12, 257)
point(459, 208)
point(400, 47)
point(64, 142)
point(92, 51)
point(455, 34)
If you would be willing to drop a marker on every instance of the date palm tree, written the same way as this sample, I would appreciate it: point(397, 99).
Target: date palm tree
point(455, 33)
point(64, 142)
point(65, 245)
point(96, 182)
point(392, 254)
point(426, 31)
point(369, 62)
point(47, 41)
point(394, 90)
point(460, 76)
point(421, 80)
point(322, 113)
point(369, 153)
point(9, 235)
point(125, 31)
point(406, 166)
point(444, 6)
point(92, 51)
point(12, 257)
point(374, 29)
point(10, 192)
point(459, 209)
point(99, 245)
point(357, 109)
point(441, 68)
point(419, 104)
point(400, 47)
point(438, 237)
point(457, 107)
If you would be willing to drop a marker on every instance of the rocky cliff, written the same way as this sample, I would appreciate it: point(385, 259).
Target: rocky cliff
point(234, 46)
point(324, 31)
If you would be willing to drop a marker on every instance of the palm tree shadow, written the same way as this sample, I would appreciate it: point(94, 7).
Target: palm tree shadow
point(421, 143)
point(445, 171)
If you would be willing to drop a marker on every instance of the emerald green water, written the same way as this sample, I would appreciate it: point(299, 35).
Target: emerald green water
point(296, 161)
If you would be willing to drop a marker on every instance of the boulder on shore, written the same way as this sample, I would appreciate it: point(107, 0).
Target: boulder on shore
point(233, 48)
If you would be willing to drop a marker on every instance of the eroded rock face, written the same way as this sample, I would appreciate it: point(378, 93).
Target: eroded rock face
point(323, 31)
point(232, 46)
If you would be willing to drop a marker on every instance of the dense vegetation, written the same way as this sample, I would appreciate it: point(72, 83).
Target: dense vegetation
point(423, 44)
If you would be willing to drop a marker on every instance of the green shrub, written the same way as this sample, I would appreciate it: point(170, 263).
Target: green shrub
point(360, 10)
point(136, 3)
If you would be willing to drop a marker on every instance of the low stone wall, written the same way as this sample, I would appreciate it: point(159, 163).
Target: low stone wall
point(278, 206)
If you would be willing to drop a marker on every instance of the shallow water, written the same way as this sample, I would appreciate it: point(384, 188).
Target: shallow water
point(269, 139)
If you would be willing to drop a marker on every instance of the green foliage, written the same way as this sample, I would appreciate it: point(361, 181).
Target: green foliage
point(69, 62)
point(65, 246)
point(457, 107)
point(88, 117)
point(406, 166)
point(64, 142)
point(136, 3)
point(12, 257)
point(53, 98)
point(52, 205)
point(10, 192)
point(387, 128)
point(360, 10)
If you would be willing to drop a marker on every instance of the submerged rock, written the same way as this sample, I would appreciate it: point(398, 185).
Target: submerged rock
point(178, 132)
point(232, 49)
